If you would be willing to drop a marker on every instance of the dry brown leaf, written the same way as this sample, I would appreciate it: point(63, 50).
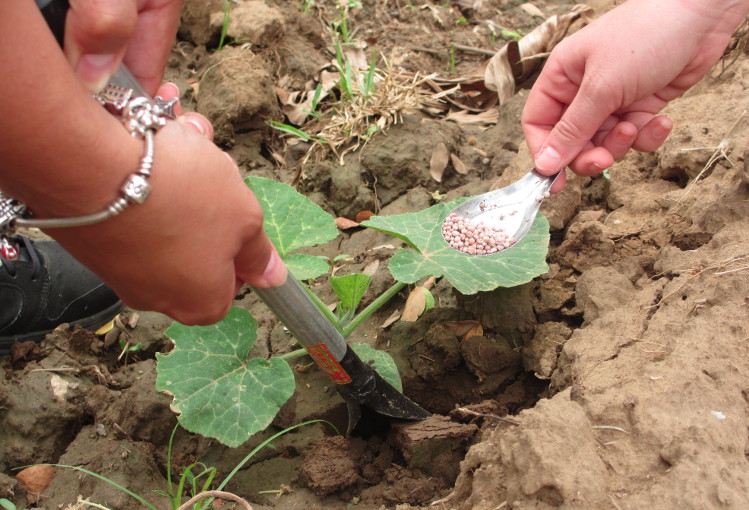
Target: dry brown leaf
point(477, 330)
point(518, 60)
point(438, 163)
point(371, 268)
point(485, 118)
point(532, 9)
point(415, 305)
point(391, 320)
point(35, 479)
point(356, 57)
point(279, 159)
point(458, 165)
point(345, 223)
point(364, 215)
point(132, 320)
point(465, 329)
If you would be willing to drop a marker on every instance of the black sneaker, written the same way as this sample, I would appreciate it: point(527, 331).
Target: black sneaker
point(43, 286)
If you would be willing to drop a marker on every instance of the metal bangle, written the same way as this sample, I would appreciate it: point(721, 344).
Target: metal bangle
point(135, 190)
point(142, 117)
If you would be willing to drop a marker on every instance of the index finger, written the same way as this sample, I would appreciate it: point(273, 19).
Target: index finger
point(151, 44)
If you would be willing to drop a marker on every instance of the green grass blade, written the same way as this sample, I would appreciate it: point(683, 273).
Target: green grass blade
point(285, 128)
point(105, 479)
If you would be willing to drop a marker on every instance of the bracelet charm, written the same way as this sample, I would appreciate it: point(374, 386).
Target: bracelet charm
point(142, 117)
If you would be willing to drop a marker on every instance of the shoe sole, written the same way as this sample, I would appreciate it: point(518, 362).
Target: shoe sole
point(92, 323)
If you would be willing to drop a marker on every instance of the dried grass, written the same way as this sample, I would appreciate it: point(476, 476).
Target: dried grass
point(349, 123)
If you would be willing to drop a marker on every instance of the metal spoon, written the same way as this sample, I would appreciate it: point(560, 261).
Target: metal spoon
point(512, 208)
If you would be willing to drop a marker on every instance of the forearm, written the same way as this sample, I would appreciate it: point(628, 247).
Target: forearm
point(62, 153)
point(722, 16)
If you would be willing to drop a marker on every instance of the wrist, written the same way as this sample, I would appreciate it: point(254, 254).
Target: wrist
point(719, 15)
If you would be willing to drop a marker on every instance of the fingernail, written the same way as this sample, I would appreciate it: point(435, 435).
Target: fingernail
point(173, 86)
point(199, 127)
point(95, 70)
point(659, 131)
point(625, 136)
point(595, 169)
point(548, 159)
point(275, 271)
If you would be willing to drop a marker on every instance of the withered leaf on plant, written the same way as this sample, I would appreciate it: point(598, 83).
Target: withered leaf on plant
point(458, 165)
point(35, 479)
point(345, 223)
point(438, 162)
point(464, 329)
point(532, 9)
point(415, 305)
point(519, 59)
point(363, 215)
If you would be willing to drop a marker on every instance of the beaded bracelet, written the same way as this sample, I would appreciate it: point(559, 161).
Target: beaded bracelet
point(142, 117)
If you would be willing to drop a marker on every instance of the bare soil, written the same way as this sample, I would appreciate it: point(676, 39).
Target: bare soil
point(619, 379)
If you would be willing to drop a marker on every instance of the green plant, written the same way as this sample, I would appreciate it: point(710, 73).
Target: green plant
point(224, 24)
point(7, 504)
point(306, 5)
point(221, 393)
point(201, 496)
point(341, 24)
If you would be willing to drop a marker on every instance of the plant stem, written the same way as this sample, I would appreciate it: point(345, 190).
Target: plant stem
point(323, 308)
point(372, 308)
point(224, 25)
point(292, 355)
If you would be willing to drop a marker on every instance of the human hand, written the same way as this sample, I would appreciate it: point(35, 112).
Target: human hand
point(189, 248)
point(99, 34)
point(601, 89)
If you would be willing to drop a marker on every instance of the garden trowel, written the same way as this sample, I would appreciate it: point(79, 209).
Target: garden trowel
point(357, 382)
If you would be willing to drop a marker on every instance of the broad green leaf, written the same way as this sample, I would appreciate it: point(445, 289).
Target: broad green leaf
point(381, 361)
point(292, 221)
point(469, 274)
point(306, 267)
point(217, 391)
point(350, 288)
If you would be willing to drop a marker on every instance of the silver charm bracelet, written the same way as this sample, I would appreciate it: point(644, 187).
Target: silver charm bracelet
point(142, 117)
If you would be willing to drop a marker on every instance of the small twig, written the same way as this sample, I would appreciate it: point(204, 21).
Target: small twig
point(610, 427)
point(614, 503)
point(216, 494)
point(444, 500)
point(54, 370)
point(720, 150)
point(471, 49)
point(426, 50)
point(732, 270)
point(486, 415)
point(82, 501)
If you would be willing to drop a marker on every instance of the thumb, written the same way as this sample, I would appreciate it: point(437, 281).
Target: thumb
point(260, 265)
point(573, 132)
point(96, 36)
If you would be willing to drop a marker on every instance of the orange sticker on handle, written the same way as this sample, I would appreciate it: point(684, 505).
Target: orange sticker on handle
point(329, 364)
